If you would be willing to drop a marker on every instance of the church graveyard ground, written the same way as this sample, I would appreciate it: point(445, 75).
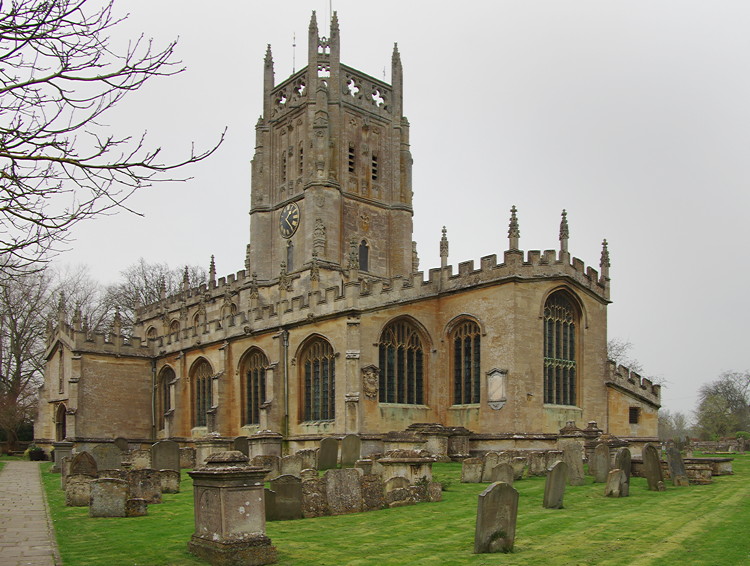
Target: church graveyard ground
point(589, 528)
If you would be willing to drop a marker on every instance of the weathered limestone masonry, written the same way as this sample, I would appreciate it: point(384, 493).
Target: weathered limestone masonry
point(332, 329)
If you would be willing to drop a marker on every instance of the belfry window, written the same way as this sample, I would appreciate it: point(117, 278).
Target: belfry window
point(319, 381)
point(560, 371)
point(202, 396)
point(364, 256)
point(401, 364)
point(352, 159)
point(374, 167)
point(254, 386)
point(466, 363)
point(301, 160)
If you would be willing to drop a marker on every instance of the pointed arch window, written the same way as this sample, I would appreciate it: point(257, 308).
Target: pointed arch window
point(401, 364)
point(560, 367)
point(163, 398)
point(60, 422)
point(364, 256)
point(318, 368)
point(466, 352)
point(202, 395)
point(253, 386)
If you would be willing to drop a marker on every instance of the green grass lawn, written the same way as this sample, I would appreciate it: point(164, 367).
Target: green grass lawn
point(697, 525)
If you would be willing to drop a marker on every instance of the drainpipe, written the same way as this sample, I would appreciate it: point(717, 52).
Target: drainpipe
point(285, 422)
point(153, 400)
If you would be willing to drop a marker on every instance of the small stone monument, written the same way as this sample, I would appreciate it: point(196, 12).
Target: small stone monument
point(496, 519)
point(230, 517)
point(554, 487)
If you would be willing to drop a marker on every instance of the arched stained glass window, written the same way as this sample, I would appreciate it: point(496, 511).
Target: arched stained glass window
point(163, 398)
point(401, 364)
point(465, 340)
point(318, 368)
point(202, 395)
point(560, 371)
point(364, 256)
point(254, 369)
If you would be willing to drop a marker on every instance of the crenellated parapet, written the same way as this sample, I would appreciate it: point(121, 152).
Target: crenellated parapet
point(78, 339)
point(623, 378)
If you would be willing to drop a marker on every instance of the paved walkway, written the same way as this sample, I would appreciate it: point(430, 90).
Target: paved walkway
point(26, 534)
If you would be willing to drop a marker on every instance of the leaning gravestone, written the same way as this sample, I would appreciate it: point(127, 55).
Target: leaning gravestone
point(351, 447)
point(623, 461)
point(503, 473)
point(554, 487)
point(328, 456)
point(165, 455)
point(491, 459)
point(573, 457)
point(344, 491)
point(109, 497)
point(496, 519)
point(601, 463)
point(107, 456)
point(652, 468)
point(617, 484)
point(471, 470)
point(288, 498)
point(676, 466)
point(84, 464)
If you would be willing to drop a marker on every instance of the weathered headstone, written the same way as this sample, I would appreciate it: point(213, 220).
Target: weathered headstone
point(676, 466)
point(136, 507)
point(83, 464)
point(270, 463)
point(187, 457)
point(623, 461)
point(434, 492)
point(314, 499)
point(65, 464)
point(165, 455)
point(308, 474)
point(537, 464)
point(328, 455)
point(122, 444)
point(471, 470)
point(309, 458)
point(554, 487)
point(573, 457)
point(601, 463)
point(519, 464)
point(114, 474)
point(617, 484)
point(372, 492)
point(397, 492)
point(242, 444)
point(496, 519)
point(351, 446)
point(170, 481)
point(107, 456)
point(140, 459)
point(491, 459)
point(108, 497)
point(503, 473)
point(652, 468)
point(269, 500)
point(288, 499)
point(78, 490)
point(145, 484)
point(344, 491)
point(291, 465)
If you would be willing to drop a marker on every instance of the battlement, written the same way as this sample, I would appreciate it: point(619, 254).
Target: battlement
point(80, 340)
point(623, 378)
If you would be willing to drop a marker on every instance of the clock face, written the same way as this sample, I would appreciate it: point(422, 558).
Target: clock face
point(289, 220)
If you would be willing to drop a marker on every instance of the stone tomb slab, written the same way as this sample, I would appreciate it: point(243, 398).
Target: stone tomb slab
point(497, 511)
point(554, 487)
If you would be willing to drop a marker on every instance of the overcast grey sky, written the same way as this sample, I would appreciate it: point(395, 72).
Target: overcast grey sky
point(632, 115)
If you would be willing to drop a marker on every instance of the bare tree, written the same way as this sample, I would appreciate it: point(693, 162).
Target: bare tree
point(618, 350)
point(58, 164)
point(724, 405)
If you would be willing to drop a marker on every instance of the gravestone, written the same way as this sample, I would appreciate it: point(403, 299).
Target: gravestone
point(537, 464)
point(314, 499)
point(652, 468)
point(573, 457)
point(122, 444)
point(471, 470)
point(397, 492)
point(291, 465)
point(65, 464)
point(601, 463)
point(170, 481)
point(519, 464)
point(503, 473)
point(364, 465)
point(270, 463)
point(554, 487)
point(328, 455)
point(351, 446)
point(187, 457)
point(309, 459)
point(617, 484)
point(114, 474)
point(496, 519)
point(242, 444)
point(623, 461)
point(491, 459)
point(372, 492)
point(140, 459)
point(434, 492)
point(308, 474)
point(676, 466)
point(108, 497)
point(288, 499)
point(165, 455)
point(145, 484)
point(269, 501)
point(136, 507)
point(344, 491)
point(107, 456)
point(78, 490)
point(83, 464)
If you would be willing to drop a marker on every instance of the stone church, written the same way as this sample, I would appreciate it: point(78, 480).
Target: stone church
point(331, 328)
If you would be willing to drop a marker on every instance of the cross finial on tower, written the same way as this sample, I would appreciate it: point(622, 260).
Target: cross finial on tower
point(212, 270)
point(514, 234)
point(564, 232)
point(604, 262)
point(444, 248)
point(185, 279)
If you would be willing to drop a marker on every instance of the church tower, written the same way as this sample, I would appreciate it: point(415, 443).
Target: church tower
point(331, 174)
